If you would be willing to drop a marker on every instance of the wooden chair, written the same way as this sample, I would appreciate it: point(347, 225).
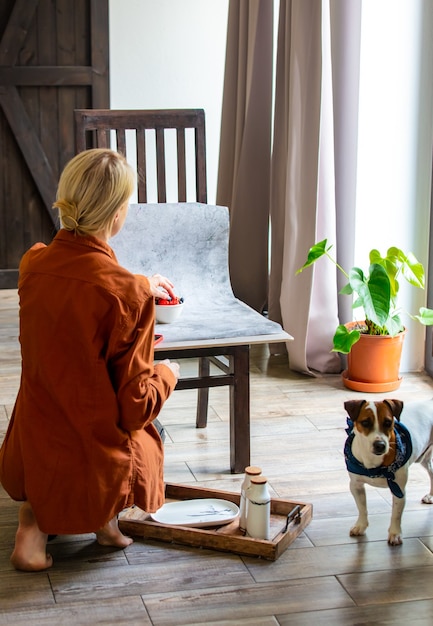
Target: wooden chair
point(103, 128)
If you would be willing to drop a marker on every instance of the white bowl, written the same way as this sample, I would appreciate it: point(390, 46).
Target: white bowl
point(167, 313)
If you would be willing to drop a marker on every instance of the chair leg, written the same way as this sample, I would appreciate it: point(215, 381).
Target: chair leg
point(202, 394)
point(240, 410)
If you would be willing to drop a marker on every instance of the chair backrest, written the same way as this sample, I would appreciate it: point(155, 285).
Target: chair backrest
point(105, 128)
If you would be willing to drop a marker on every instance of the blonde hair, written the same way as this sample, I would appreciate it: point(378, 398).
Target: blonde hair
point(92, 188)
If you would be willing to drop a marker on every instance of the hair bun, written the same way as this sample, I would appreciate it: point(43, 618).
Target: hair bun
point(68, 211)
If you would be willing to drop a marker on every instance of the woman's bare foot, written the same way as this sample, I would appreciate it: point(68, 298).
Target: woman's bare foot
point(30, 553)
point(110, 535)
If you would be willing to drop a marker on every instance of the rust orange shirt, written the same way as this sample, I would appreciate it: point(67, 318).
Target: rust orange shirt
point(81, 445)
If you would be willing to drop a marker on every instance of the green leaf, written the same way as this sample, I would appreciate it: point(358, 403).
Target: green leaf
point(394, 325)
point(346, 290)
point(374, 292)
point(314, 253)
point(344, 339)
point(395, 255)
point(376, 257)
point(397, 261)
point(413, 271)
point(425, 316)
point(357, 303)
point(391, 263)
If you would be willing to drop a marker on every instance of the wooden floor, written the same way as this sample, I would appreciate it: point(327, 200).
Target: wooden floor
point(324, 577)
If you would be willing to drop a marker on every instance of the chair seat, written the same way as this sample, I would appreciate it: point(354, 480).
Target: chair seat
point(226, 320)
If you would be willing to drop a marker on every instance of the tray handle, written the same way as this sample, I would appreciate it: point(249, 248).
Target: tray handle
point(293, 516)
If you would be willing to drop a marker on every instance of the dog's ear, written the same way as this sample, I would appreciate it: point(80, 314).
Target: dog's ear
point(353, 408)
point(396, 407)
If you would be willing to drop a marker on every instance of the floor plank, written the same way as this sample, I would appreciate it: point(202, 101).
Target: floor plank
point(196, 572)
point(118, 611)
point(243, 602)
point(399, 585)
point(418, 613)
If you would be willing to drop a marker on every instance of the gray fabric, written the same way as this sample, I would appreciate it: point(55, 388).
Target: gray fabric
point(188, 243)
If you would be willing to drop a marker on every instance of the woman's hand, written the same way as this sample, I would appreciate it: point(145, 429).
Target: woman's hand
point(161, 287)
point(173, 366)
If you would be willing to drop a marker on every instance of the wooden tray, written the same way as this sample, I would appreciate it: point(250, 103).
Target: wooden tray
point(288, 520)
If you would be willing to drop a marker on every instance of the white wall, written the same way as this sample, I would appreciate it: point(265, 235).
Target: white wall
point(167, 54)
point(395, 142)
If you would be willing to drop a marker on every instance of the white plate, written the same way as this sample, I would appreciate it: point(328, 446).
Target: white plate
point(200, 512)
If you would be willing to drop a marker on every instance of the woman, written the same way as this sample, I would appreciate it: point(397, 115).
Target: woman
point(81, 445)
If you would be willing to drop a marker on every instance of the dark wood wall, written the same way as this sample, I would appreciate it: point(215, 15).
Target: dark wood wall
point(54, 58)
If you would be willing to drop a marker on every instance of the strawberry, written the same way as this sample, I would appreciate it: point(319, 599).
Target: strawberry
point(175, 300)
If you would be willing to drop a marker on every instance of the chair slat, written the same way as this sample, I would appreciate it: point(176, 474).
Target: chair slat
point(141, 165)
point(200, 164)
point(181, 165)
point(102, 138)
point(160, 165)
point(121, 141)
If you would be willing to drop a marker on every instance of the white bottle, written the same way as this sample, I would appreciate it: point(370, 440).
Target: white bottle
point(250, 471)
point(258, 508)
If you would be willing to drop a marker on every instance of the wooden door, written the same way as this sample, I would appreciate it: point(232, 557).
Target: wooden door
point(53, 59)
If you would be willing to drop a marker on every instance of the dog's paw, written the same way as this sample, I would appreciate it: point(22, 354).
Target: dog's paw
point(358, 530)
point(395, 539)
point(428, 499)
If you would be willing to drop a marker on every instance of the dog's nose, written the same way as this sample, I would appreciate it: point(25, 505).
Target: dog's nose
point(379, 447)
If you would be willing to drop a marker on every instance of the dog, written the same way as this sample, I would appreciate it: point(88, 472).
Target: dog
point(379, 450)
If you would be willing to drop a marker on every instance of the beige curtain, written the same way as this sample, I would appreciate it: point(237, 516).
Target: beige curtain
point(311, 195)
point(302, 186)
point(346, 47)
point(244, 163)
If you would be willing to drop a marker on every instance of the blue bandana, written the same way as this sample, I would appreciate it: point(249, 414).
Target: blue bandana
point(403, 451)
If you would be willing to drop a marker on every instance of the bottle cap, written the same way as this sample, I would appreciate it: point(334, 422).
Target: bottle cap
point(259, 480)
point(253, 470)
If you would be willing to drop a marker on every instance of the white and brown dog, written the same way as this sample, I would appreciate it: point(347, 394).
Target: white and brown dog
point(380, 449)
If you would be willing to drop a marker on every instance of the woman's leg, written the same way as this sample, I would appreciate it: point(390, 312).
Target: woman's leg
point(30, 553)
point(160, 428)
point(110, 535)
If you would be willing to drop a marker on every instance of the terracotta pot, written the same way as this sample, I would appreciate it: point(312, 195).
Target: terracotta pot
point(374, 362)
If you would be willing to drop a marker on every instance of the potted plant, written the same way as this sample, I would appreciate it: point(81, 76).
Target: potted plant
point(377, 293)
